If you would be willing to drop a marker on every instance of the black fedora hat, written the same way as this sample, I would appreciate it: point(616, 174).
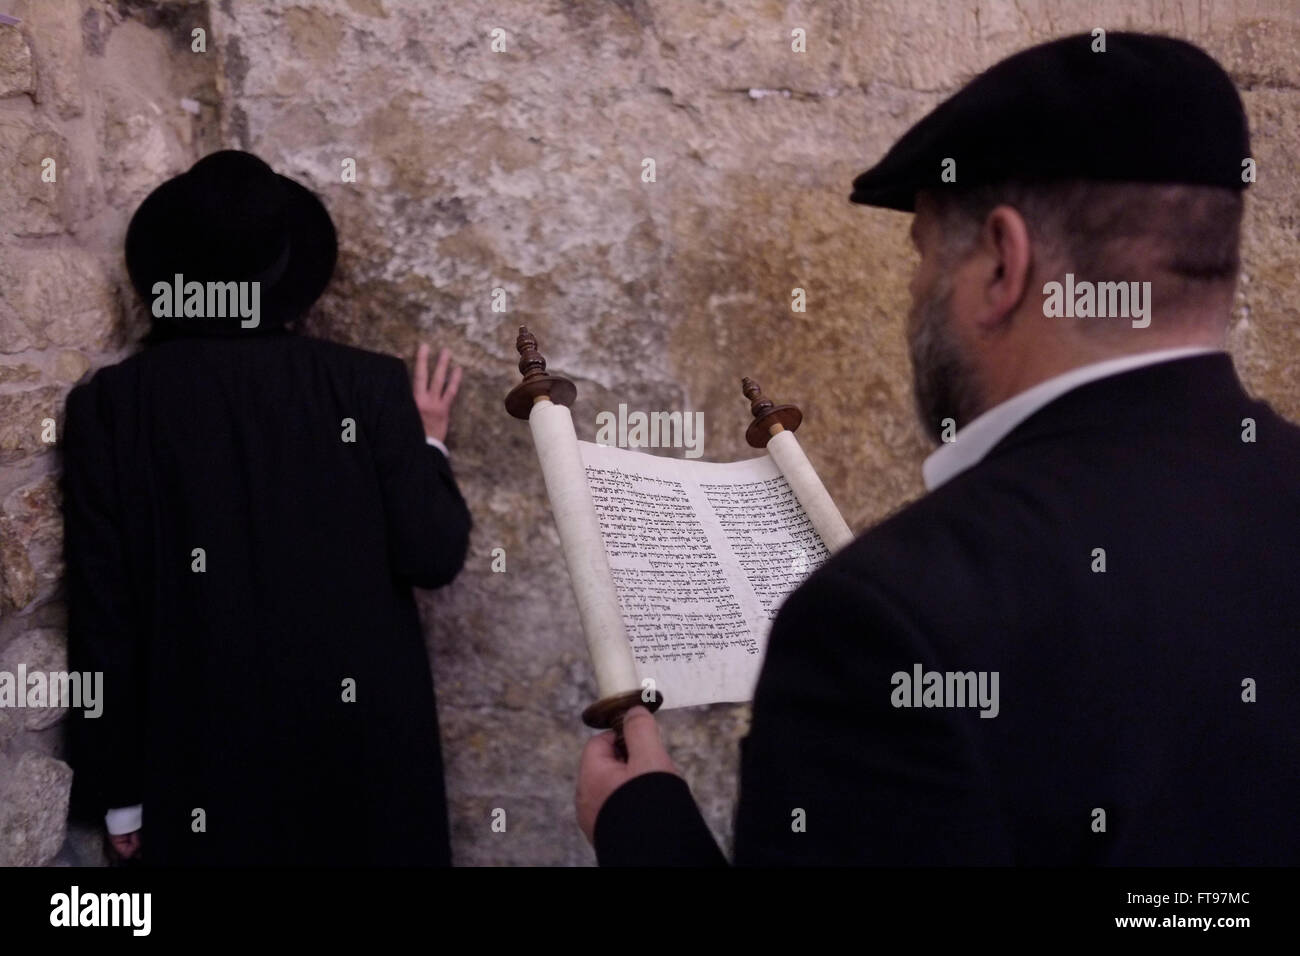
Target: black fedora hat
point(231, 218)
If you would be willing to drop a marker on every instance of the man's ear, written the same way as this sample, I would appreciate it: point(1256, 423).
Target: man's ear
point(1004, 241)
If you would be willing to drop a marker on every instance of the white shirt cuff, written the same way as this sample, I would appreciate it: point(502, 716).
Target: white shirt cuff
point(438, 445)
point(124, 819)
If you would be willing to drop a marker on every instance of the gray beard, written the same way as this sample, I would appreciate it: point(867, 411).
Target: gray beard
point(944, 383)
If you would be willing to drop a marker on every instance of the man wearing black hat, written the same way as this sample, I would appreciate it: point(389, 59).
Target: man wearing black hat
point(1079, 647)
point(246, 511)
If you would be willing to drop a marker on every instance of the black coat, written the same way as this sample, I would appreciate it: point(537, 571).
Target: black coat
point(1120, 691)
point(225, 687)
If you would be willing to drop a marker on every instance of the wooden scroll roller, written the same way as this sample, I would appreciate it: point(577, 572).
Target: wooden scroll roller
point(773, 428)
point(543, 400)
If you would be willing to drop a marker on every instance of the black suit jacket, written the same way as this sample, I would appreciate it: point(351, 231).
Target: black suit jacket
point(226, 687)
point(1120, 691)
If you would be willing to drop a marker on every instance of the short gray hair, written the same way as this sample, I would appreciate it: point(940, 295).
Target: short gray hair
point(1186, 240)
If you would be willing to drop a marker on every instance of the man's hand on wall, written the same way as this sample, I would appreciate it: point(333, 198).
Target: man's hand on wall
point(434, 399)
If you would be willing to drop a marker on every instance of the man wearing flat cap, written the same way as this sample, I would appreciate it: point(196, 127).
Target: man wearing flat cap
point(246, 512)
point(1080, 646)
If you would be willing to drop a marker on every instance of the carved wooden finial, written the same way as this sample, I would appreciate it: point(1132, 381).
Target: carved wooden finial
point(768, 417)
point(537, 382)
point(530, 360)
point(758, 405)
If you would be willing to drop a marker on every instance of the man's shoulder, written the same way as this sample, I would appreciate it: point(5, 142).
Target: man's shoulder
point(352, 356)
point(994, 544)
point(1008, 536)
point(104, 380)
point(121, 379)
point(953, 521)
point(214, 348)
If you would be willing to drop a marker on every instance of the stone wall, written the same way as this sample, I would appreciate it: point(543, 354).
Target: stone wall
point(522, 170)
point(96, 87)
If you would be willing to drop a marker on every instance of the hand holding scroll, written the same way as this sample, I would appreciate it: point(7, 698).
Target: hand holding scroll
point(602, 771)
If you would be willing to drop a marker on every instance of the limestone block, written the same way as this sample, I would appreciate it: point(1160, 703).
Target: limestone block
point(69, 365)
point(63, 297)
point(30, 205)
point(22, 372)
point(33, 809)
point(55, 26)
point(17, 75)
point(9, 727)
point(31, 517)
point(17, 577)
point(21, 416)
point(138, 152)
point(41, 651)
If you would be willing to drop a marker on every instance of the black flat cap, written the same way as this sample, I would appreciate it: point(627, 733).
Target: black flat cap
point(1148, 109)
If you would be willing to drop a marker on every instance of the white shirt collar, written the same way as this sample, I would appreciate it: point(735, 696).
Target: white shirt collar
point(972, 443)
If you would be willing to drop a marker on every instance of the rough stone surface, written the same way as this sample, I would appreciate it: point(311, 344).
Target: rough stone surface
point(16, 73)
point(137, 155)
point(20, 373)
point(521, 171)
point(33, 809)
point(17, 576)
point(61, 297)
point(21, 415)
point(40, 651)
point(147, 135)
point(69, 365)
point(104, 84)
point(9, 727)
point(30, 517)
point(33, 207)
point(55, 26)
